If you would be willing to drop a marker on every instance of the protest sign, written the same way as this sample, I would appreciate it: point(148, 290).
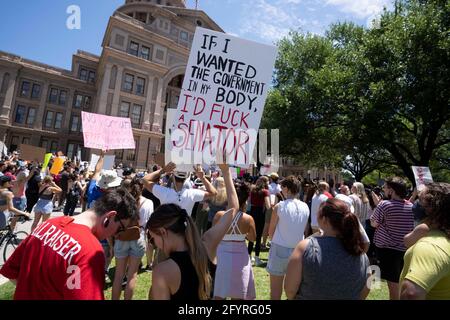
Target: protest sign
point(31, 153)
point(222, 101)
point(422, 176)
point(47, 158)
point(3, 149)
point(57, 166)
point(108, 162)
point(107, 133)
point(266, 170)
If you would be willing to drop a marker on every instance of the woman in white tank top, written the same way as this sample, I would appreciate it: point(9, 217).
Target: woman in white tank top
point(287, 229)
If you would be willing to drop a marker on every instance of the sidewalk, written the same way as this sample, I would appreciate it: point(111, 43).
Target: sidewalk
point(26, 226)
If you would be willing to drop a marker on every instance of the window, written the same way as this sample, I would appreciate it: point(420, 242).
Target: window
point(44, 144)
point(124, 111)
point(120, 40)
point(14, 143)
point(119, 154)
point(87, 102)
point(184, 36)
point(75, 123)
point(70, 150)
point(128, 83)
point(62, 97)
point(53, 96)
point(36, 91)
point(160, 55)
point(58, 120)
point(140, 86)
point(134, 48)
point(20, 114)
point(48, 119)
point(91, 78)
point(25, 90)
point(31, 116)
point(83, 74)
point(54, 147)
point(78, 101)
point(145, 53)
point(26, 140)
point(136, 114)
point(141, 16)
point(81, 101)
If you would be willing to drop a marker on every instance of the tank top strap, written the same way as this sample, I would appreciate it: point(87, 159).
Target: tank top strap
point(234, 224)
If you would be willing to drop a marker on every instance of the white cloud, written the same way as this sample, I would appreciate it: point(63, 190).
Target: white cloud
point(362, 9)
point(271, 22)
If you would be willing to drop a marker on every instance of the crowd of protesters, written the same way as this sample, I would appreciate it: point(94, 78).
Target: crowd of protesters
point(202, 232)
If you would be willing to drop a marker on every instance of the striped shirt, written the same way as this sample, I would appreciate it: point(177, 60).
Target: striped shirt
point(395, 220)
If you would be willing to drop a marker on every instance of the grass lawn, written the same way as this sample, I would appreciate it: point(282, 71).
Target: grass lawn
point(261, 278)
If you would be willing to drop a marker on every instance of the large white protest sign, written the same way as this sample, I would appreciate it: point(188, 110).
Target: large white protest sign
point(222, 101)
point(422, 176)
point(108, 162)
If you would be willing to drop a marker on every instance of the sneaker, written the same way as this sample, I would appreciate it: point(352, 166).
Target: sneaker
point(258, 262)
point(107, 279)
point(252, 260)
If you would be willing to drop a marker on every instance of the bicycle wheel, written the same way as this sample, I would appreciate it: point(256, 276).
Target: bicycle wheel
point(13, 242)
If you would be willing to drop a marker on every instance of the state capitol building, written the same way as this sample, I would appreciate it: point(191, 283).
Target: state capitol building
point(138, 75)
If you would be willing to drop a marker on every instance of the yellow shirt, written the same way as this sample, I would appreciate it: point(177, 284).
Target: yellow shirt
point(427, 264)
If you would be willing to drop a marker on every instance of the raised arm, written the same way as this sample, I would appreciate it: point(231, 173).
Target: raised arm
point(152, 178)
point(54, 188)
point(99, 166)
point(213, 236)
point(211, 192)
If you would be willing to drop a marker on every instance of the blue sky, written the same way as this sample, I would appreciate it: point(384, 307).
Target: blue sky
point(37, 30)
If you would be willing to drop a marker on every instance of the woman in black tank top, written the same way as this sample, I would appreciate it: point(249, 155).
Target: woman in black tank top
point(186, 276)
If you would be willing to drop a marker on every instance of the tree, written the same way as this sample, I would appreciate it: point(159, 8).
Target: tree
point(385, 89)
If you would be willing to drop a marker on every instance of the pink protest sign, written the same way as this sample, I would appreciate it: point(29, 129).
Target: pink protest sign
point(107, 133)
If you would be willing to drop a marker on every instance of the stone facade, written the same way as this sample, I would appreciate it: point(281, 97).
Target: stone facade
point(138, 75)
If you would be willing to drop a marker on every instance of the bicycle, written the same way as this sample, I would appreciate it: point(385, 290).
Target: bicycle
point(10, 240)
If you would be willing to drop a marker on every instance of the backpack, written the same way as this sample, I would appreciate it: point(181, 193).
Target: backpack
point(133, 232)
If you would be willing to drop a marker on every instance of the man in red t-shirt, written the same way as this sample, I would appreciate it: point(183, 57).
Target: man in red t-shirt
point(63, 258)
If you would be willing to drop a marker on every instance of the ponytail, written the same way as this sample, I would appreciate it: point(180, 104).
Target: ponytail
point(199, 258)
point(351, 235)
point(177, 220)
point(345, 223)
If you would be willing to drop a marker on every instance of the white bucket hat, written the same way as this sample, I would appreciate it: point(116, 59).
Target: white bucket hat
point(109, 179)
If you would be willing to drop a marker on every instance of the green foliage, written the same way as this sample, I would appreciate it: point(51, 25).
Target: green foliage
point(367, 97)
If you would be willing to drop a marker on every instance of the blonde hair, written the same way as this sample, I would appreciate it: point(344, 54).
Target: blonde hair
point(221, 197)
point(322, 187)
point(361, 192)
point(175, 219)
point(48, 179)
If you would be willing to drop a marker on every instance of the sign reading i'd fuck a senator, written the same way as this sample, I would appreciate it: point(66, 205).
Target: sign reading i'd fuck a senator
point(222, 100)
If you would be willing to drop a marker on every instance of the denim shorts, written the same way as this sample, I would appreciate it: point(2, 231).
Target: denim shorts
point(278, 259)
point(125, 249)
point(20, 203)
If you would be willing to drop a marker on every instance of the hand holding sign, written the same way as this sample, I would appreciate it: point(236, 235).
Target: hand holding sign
point(222, 101)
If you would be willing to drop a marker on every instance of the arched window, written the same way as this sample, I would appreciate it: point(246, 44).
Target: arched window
point(5, 83)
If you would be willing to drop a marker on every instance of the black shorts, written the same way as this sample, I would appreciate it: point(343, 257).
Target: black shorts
point(391, 263)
